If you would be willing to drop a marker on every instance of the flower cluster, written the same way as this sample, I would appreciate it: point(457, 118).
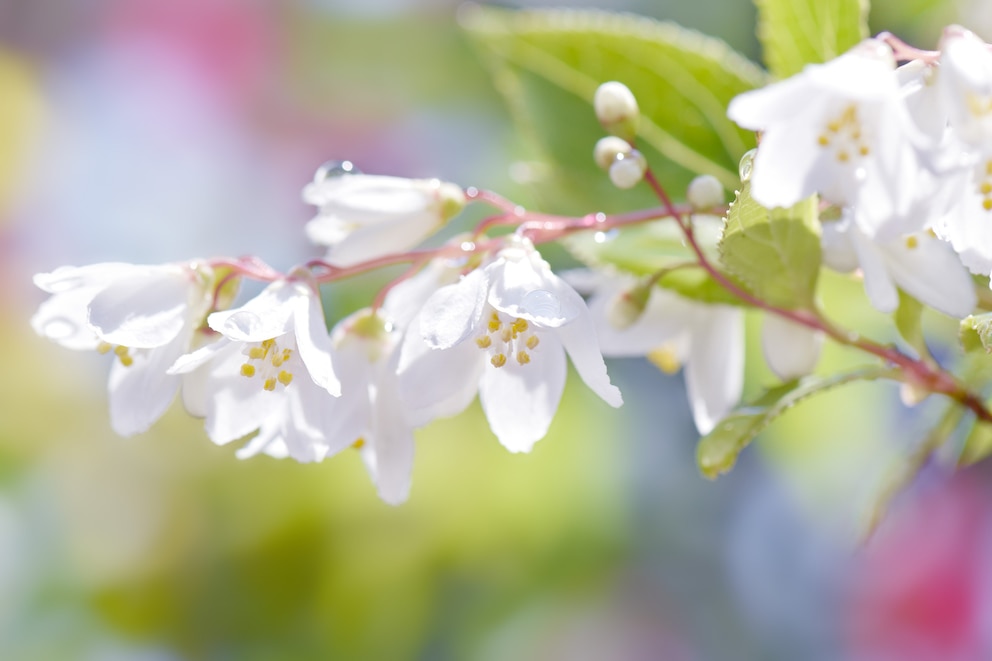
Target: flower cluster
point(492, 320)
point(905, 154)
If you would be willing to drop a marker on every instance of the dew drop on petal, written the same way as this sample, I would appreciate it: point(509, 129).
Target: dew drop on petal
point(541, 303)
point(747, 164)
point(242, 322)
point(332, 169)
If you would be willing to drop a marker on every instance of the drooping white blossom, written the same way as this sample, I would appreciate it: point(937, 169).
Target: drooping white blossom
point(270, 370)
point(362, 216)
point(145, 315)
point(921, 264)
point(673, 331)
point(503, 331)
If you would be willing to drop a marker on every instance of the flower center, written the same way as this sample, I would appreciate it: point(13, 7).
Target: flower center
point(266, 360)
point(122, 353)
point(983, 183)
point(844, 134)
point(504, 339)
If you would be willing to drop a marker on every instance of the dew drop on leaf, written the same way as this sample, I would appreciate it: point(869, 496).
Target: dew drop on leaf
point(747, 164)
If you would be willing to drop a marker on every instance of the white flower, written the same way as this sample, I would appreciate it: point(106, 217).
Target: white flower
point(363, 216)
point(673, 331)
point(791, 350)
point(502, 330)
point(922, 265)
point(834, 129)
point(270, 370)
point(965, 83)
point(146, 315)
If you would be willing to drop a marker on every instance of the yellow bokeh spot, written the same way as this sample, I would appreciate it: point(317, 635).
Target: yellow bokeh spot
point(664, 358)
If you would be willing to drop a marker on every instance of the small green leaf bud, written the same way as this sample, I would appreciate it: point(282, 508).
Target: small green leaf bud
point(616, 109)
point(705, 192)
point(607, 149)
point(628, 169)
point(628, 306)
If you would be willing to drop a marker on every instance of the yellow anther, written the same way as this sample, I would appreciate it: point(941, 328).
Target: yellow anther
point(912, 242)
point(988, 167)
point(843, 156)
point(665, 359)
point(120, 351)
point(498, 360)
point(248, 370)
point(104, 347)
point(268, 344)
point(985, 188)
point(126, 360)
point(523, 357)
point(256, 353)
point(484, 342)
point(519, 326)
point(833, 127)
point(532, 342)
point(277, 360)
point(863, 150)
point(823, 140)
point(286, 353)
point(285, 377)
point(358, 443)
point(270, 384)
point(987, 204)
point(507, 334)
point(494, 323)
point(856, 135)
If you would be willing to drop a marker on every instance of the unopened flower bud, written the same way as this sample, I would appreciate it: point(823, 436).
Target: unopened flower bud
point(628, 306)
point(912, 394)
point(608, 149)
point(616, 109)
point(628, 169)
point(705, 192)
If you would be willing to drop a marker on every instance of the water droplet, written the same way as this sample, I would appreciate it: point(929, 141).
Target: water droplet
point(747, 164)
point(541, 303)
point(600, 217)
point(603, 237)
point(467, 246)
point(242, 322)
point(332, 169)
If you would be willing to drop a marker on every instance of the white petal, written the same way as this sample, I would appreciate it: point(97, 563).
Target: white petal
point(837, 248)
point(791, 350)
point(666, 317)
point(579, 339)
point(878, 284)
point(268, 315)
point(406, 299)
point(392, 442)
point(68, 278)
point(437, 383)
point(389, 236)
point(453, 312)
point(367, 199)
point(268, 440)
point(191, 361)
point(520, 400)
point(238, 406)
point(63, 318)
point(143, 391)
point(932, 273)
point(142, 312)
point(314, 343)
point(523, 286)
point(714, 371)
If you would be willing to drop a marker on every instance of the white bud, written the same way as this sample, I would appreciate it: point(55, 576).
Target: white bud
point(608, 149)
point(628, 306)
point(628, 169)
point(616, 109)
point(705, 192)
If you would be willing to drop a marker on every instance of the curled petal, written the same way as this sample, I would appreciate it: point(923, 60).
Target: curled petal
point(714, 371)
point(791, 350)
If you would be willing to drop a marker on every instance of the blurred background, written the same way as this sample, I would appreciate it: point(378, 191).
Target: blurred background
point(148, 131)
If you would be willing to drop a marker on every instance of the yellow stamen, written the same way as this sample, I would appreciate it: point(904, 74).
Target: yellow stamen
point(127, 361)
point(359, 443)
point(248, 370)
point(120, 351)
point(519, 326)
point(494, 323)
point(912, 242)
point(987, 204)
point(863, 150)
point(823, 140)
point(270, 384)
point(285, 377)
point(843, 156)
point(985, 188)
point(256, 353)
point(104, 347)
point(665, 359)
point(507, 334)
point(498, 360)
point(532, 342)
point(484, 342)
point(523, 357)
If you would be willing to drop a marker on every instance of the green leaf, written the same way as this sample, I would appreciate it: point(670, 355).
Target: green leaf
point(717, 451)
point(548, 64)
point(976, 332)
point(795, 33)
point(776, 253)
point(908, 318)
point(645, 250)
point(978, 445)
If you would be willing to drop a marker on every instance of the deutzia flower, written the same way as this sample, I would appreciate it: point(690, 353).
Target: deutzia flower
point(503, 330)
point(921, 264)
point(271, 370)
point(830, 130)
point(364, 216)
point(145, 315)
point(673, 331)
